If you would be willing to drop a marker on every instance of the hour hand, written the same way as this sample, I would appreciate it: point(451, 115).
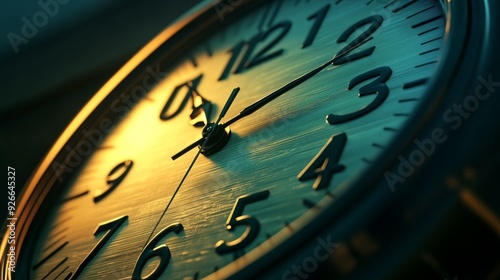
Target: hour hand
point(222, 132)
point(219, 133)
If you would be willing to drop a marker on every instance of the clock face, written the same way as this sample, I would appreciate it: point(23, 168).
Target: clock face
point(344, 77)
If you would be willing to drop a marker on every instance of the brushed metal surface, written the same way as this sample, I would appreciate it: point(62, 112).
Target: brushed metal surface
point(267, 149)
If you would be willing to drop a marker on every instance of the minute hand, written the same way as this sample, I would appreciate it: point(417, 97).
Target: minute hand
point(262, 102)
point(259, 104)
point(277, 93)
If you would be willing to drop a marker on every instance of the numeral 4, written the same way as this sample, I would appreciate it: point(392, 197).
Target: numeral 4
point(325, 163)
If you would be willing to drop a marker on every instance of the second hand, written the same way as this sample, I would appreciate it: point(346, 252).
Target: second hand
point(221, 115)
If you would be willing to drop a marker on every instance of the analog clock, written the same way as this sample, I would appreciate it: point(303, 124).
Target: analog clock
point(265, 139)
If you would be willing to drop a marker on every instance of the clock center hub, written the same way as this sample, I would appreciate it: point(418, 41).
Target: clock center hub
point(219, 137)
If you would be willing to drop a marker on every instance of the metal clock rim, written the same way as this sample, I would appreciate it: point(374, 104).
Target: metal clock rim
point(44, 179)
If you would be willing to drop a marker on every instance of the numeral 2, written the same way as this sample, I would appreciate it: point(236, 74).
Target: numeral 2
point(344, 56)
point(325, 163)
point(236, 218)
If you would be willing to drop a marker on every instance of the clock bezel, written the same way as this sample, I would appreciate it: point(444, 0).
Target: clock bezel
point(45, 182)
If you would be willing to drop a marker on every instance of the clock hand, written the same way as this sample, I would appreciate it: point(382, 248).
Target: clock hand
point(277, 93)
point(209, 131)
point(255, 106)
point(270, 97)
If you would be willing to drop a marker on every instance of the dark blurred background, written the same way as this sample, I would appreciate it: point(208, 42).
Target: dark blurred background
point(54, 55)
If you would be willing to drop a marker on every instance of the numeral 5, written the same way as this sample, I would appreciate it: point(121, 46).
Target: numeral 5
point(236, 218)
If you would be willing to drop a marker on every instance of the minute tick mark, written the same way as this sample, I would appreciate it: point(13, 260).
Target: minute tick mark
point(390, 129)
point(404, 6)
point(390, 3)
point(408, 100)
point(50, 255)
point(53, 269)
point(64, 220)
point(415, 83)
point(422, 11)
point(60, 273)
point(401, 115)
point(430, 41)
point(426, 21)
point(54, 243)
point(376, 145)
point(425, 64)
point(75, 196)
point(208, 49)
point(429, 51)
point(427, 31)
point(309, 204)
point(193, 61)
point(58, 232)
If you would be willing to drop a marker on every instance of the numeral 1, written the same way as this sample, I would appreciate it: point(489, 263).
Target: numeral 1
point(250, 59)
point(325, 163)
point(319, 16)
point(235, 53)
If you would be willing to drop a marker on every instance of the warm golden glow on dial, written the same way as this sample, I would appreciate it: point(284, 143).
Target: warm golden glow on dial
point(280, 161)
